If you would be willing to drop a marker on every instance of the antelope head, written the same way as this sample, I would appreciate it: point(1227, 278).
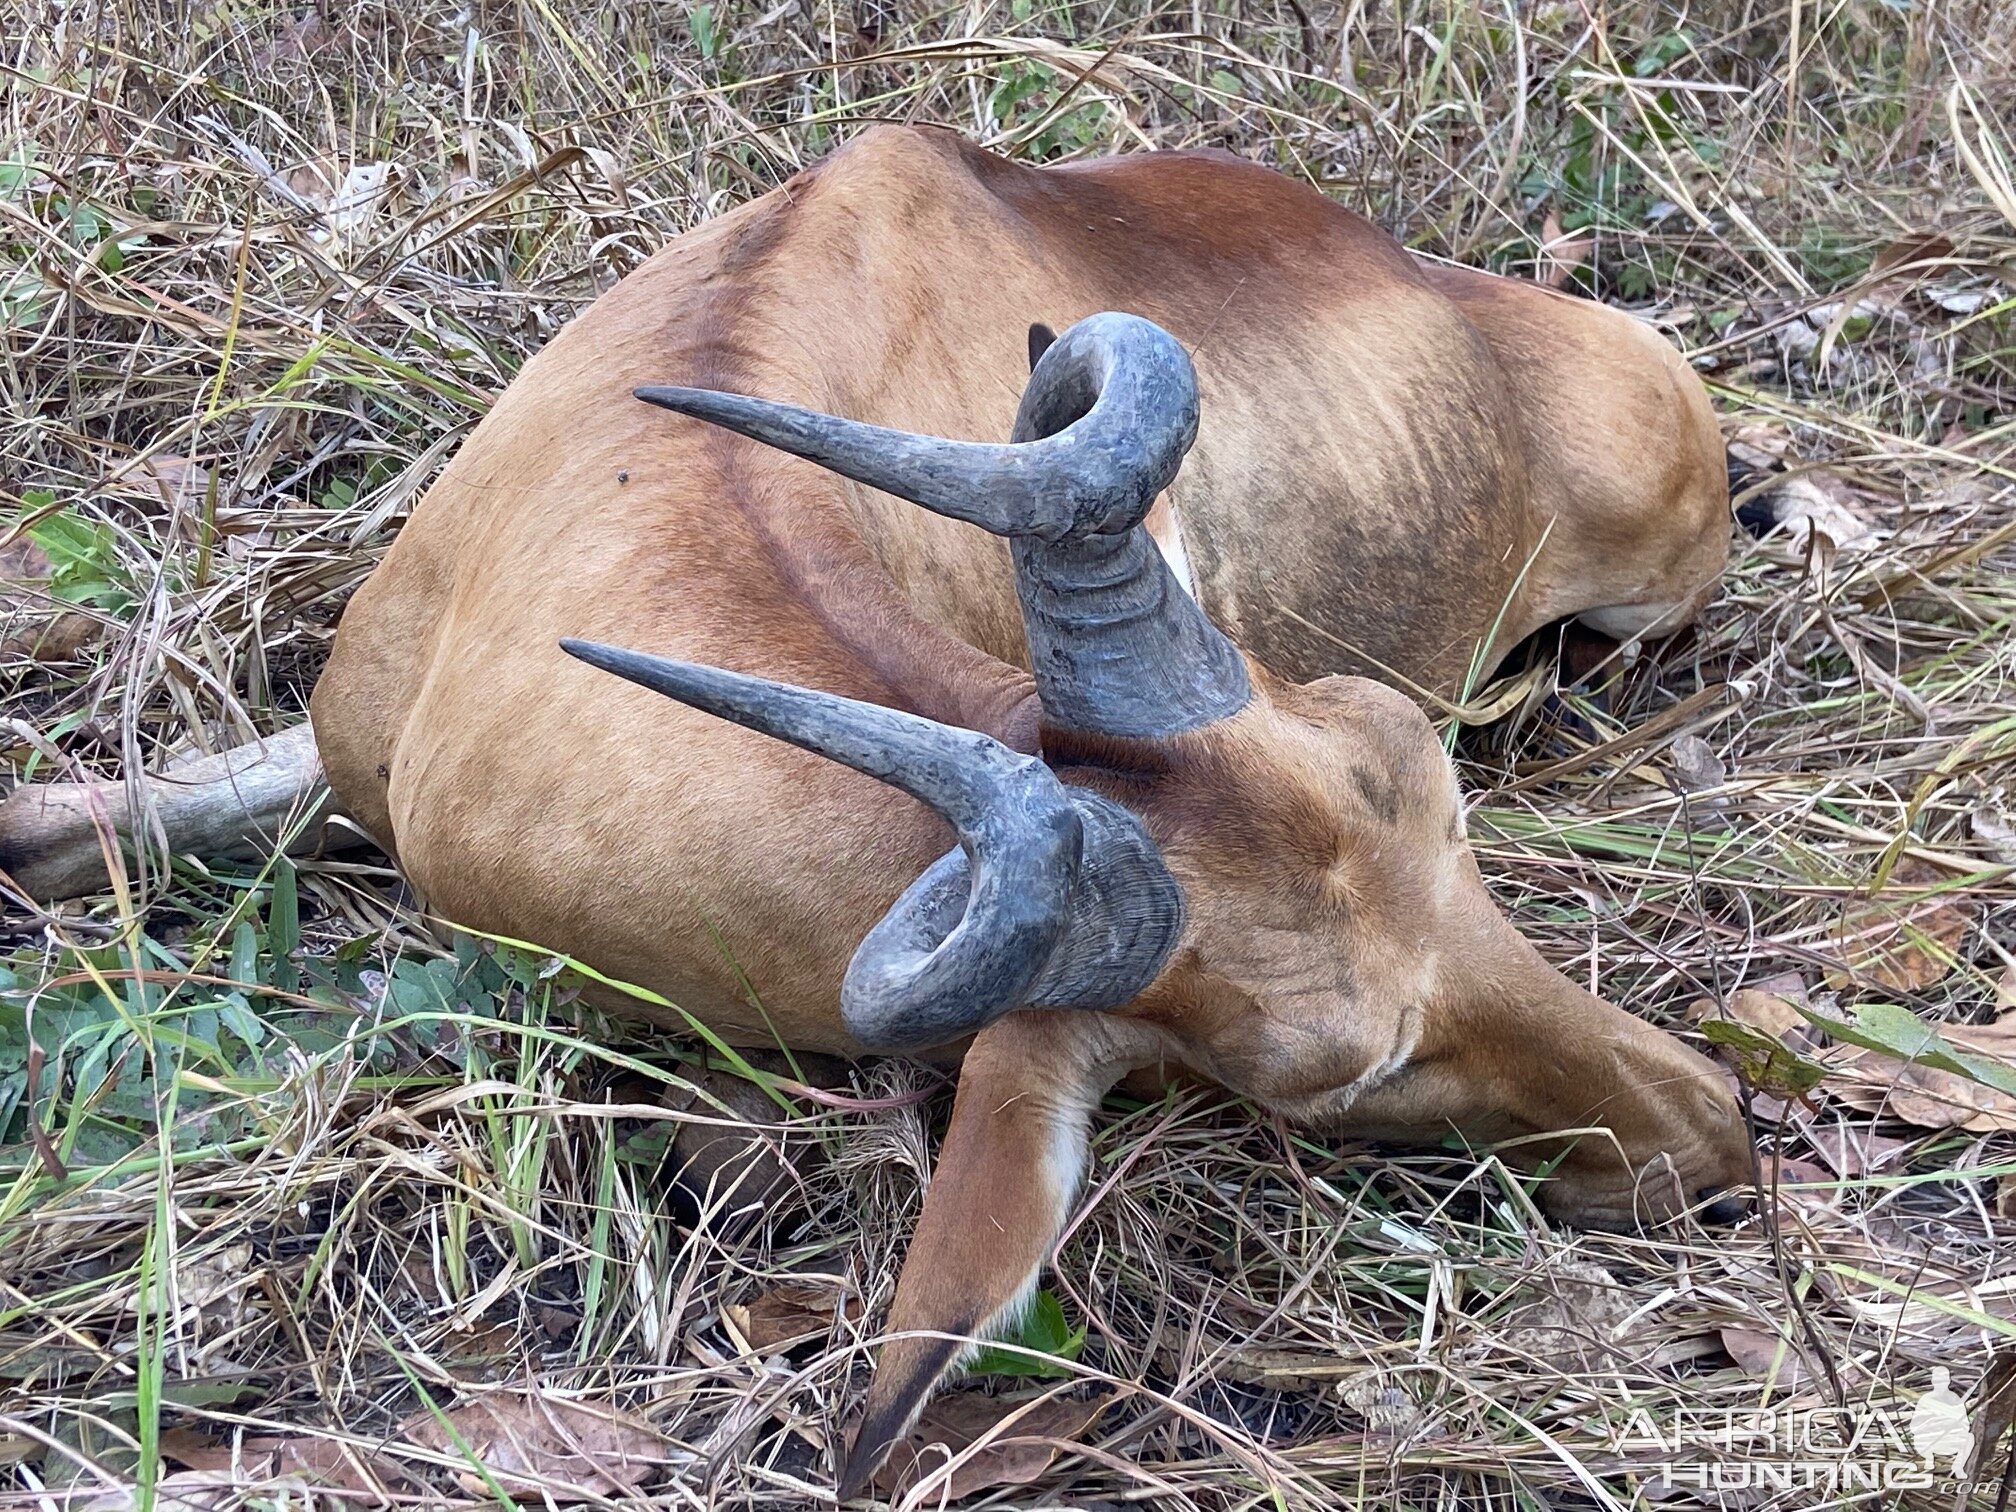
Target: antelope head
point(1204, 867)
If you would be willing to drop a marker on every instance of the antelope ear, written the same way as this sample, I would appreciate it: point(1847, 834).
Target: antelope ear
point(1040, 339)
point(1007, 1174)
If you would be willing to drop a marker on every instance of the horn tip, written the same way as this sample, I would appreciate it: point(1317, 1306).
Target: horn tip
point(656, 672)
point(669, 396)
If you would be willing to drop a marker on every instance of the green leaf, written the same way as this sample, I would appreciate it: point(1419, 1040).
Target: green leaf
point(1765, 1063)
point(1896, 1030)
point(96, 1063)
point(245, 952)
point(13, 1088)
point(238, 1017)
point(283, 925)
point(17, 169)
point(1043, 1330)
point(84, 564)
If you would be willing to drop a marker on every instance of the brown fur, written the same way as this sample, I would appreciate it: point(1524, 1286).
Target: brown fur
point(1393, 458)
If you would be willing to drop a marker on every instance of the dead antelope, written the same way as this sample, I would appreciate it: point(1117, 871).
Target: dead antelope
point(1048, 774)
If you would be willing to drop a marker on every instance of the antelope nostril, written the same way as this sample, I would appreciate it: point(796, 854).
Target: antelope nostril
point(1721, 1210)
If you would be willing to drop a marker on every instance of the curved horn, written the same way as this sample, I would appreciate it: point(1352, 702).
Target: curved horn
point(1053, 898)
point(1116, 645)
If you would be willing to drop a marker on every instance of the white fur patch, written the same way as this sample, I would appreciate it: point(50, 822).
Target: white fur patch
point(1387, 1066)
point(1062, 1167)
point(1628, 622)
point(1166, 531)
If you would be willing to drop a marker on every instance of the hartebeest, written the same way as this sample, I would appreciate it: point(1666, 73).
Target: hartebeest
point(1174, 840)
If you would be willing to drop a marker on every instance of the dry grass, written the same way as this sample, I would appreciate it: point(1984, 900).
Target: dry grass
point(260, 272)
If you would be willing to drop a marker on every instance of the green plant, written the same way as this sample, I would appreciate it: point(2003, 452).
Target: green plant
point(1043, 1332)
point(85, 565)
point(1028, 105)
point(88, 227)
point(88, 1057)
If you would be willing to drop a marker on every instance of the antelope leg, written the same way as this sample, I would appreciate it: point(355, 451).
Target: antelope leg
point(1007, 1174)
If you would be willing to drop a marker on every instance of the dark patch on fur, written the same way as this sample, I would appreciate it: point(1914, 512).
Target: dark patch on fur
point(815, 597)
point(877, 1435)
point(1381, 794)
point(1123, 756)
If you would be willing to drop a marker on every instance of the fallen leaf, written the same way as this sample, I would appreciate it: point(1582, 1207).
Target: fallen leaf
point(1759, 447)
point(33, 625)
point(1696, 767)
point(306, 1458)
point(22, 561)
point(1916, 247)
point(161, 479)
point(302, 37)
point(533, 1444)
point(1995, 830)
point(1855, 1149)
point(1789, 985)
point(200, 1282)
point(1904, 943)
point(1918, 1094)
point(1767, 1358)
point(1760, 1009)
point(1561, 252)
point(1570, 1316)
point(1388, 1411)
point(789, 1314)
point(955, 1423)
point(1790, 1170)
point(1963, 301)
point(311, 182)
point(1763, 1060)
point(485, 1351)
point(1957, 1076)
point(358, 200)
point(1804, 1187)
point(182, 1491)
point(1819, 501)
